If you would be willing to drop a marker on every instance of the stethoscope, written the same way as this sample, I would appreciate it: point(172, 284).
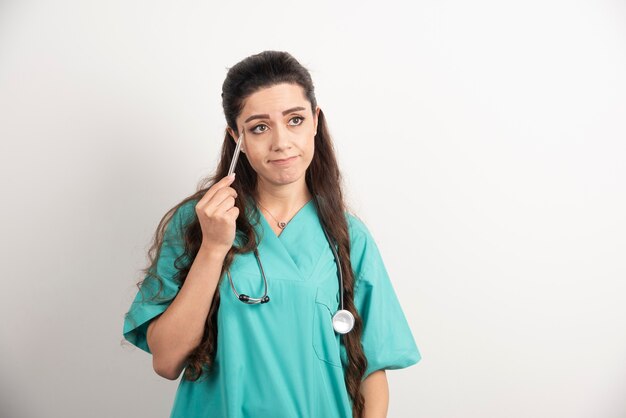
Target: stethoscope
point(343, 320)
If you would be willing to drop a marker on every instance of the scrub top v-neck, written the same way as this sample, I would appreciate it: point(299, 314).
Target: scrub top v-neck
point(282, 358)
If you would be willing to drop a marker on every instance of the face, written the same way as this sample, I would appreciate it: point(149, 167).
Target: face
point(279, 131)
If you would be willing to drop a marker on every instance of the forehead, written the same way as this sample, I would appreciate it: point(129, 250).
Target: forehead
point(274, 99)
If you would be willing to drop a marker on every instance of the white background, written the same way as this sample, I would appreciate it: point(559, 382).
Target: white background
point(482, 142)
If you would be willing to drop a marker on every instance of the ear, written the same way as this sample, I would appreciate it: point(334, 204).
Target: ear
point(317, 115)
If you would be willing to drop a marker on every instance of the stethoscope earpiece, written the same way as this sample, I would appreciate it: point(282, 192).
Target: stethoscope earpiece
point(252, 301)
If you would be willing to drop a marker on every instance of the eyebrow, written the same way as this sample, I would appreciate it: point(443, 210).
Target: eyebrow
point(266, 116)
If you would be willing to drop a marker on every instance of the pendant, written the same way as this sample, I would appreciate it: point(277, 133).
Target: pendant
point(282, 225)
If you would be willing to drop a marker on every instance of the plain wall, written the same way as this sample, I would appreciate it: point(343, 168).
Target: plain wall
point(483, 143)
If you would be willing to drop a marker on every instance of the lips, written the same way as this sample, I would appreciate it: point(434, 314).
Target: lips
point(283, 159)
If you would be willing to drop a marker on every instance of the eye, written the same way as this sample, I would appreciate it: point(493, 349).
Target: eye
point(255, 131)
point(298, 117)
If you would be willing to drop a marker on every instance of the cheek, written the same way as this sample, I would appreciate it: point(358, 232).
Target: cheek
point(311, 142)
point(253, 155)
point(309, 148)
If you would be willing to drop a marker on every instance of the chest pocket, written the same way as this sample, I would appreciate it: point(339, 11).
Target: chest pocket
point(325, 340)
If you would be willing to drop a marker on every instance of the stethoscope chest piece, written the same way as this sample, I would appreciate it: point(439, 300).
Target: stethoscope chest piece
point(343, 321)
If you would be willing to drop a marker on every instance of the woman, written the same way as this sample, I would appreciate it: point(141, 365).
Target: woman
point(282, 357)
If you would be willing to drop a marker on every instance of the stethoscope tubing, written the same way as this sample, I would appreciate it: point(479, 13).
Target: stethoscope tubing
point(264, 299)
point(343, 320)
point(248, 299)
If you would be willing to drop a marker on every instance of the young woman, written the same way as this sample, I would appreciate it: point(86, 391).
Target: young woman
point(253, 274)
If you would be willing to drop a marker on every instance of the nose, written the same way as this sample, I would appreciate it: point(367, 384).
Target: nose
point(281, 138)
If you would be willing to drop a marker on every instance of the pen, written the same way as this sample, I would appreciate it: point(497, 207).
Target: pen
point(233, 163)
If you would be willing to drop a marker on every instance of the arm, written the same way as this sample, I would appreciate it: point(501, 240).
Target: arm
point(176, 332)
point(376, 393)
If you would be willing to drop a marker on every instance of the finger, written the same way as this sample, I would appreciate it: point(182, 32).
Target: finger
point(222, 194)
point(233, 213)
point(218, 198)
point(224, 182)
point(224, 206)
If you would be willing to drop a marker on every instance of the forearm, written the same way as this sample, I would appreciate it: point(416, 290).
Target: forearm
point(177, 331)
point(376, 394)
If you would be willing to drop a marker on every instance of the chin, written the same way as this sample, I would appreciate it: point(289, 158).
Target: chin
point(285, 178)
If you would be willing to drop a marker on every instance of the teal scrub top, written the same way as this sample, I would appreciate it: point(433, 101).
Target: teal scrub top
point(283, 358)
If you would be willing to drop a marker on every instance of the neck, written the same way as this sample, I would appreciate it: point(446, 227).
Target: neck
point(283, 200)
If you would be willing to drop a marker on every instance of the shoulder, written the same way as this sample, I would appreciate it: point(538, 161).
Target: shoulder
point(357, 229)
point(363, 248)
point(187, 210)
point(183, 215)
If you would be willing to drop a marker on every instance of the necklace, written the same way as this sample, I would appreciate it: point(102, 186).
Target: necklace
point(280, 224)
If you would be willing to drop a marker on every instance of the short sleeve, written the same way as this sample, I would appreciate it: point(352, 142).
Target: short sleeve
point(387, 339)
point(154, 296)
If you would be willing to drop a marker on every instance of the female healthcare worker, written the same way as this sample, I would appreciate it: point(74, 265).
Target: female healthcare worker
point(252, 303)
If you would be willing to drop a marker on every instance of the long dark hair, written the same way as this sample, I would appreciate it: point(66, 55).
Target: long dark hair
point(323, 179)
